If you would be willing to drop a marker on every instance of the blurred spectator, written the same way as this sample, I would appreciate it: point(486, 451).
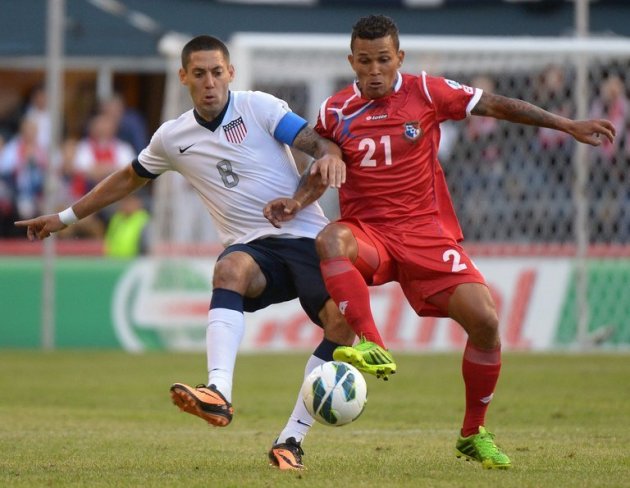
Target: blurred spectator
point(549, 193)
point(132, 127)
point(37, 111)
point(68, 153)
point(91, 227)
point(23, 165)
point(482, 167)
point(608, 192)
point(127, 231)
point(7, 214)
point(554, 95)
point(613, 105)
point(10, 112)
point(484, 130)
point(99, 154)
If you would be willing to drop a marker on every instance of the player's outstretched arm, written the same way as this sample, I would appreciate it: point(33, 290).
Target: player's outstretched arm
point(113, 188)
point(328, 158)
point(518, 111)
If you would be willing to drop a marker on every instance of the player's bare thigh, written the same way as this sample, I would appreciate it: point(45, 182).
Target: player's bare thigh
point(472, 306)
point(239, 272)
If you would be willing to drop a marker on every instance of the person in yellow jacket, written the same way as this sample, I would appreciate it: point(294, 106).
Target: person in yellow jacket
point(126, 234)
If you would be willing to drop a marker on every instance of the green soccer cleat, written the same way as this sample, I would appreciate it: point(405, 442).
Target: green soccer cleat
point(481, 447)
point(367, 357)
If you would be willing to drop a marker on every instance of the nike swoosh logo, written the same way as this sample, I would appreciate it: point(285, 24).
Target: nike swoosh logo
point(182, 150)
point(303, 423)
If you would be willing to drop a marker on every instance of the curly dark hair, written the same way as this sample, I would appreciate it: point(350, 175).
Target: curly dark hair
point(203, 43)
point(375, 27)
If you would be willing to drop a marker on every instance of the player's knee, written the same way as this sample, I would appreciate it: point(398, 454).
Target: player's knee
point(224, 274)
point(484, 327)
point(325, 240)
point(331, 241)
point(232, 273)
point(490, 320)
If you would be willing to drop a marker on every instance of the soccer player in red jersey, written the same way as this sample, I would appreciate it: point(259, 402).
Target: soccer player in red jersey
point(397, 220)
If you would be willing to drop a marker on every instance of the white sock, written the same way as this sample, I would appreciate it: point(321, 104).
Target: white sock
point(300, 420)
point(223, 337)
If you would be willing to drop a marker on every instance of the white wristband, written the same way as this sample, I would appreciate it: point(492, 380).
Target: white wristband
point(68, 217)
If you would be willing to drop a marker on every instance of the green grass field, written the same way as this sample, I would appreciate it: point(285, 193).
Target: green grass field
point(94, 418)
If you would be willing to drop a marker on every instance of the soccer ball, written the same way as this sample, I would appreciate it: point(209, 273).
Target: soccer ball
point(335, 393)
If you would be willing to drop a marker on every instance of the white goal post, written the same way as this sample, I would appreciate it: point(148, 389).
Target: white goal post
point(318, 60)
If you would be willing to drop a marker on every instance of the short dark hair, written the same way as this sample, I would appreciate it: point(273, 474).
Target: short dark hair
point(375, 27)
point(203, 43)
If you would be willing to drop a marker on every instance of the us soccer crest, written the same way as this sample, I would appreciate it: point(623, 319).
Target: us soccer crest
point(412, 130)
point(235, 131)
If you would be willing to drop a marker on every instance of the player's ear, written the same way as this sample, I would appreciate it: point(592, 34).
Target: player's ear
point(231, 71)
point(401, 57)
point(351, 59)
point(182, 76)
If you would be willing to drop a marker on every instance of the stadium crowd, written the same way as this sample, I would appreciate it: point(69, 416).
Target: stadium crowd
point(520, 179)
point(111, 136)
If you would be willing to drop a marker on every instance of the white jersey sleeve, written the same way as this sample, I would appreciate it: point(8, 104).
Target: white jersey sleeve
point(154, 157)
point(268, 109)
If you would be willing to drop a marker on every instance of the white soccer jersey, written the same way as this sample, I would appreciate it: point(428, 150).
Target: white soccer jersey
point(237, 167)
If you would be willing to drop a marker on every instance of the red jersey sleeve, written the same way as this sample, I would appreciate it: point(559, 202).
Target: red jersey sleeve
point(451, 99)
point(324, 121)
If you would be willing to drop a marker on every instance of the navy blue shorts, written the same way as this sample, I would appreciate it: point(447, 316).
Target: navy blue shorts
point(291, 267)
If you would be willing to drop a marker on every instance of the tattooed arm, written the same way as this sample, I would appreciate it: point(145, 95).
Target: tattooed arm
point(520, 112)
point(328, 162)
point(328, 169)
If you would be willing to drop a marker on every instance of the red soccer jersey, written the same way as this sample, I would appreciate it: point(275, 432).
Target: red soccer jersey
point(390, 146)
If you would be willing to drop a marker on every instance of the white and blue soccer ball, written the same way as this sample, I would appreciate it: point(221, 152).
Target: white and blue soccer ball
point(335, 393)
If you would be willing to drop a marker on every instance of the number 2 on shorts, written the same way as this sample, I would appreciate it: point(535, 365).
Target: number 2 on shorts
point(457, 265)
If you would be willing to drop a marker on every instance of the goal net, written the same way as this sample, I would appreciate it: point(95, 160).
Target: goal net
point(518, 190)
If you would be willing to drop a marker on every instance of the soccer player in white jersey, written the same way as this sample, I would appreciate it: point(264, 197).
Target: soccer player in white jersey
point(233, 149)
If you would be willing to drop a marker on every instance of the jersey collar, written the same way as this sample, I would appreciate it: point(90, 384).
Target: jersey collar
point(397, 84)
point(216, 122)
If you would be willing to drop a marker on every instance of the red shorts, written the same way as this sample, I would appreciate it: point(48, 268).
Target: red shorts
point(422, 260)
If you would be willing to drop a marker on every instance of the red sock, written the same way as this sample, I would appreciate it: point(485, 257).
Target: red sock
point(480, 369)
point(348, 290)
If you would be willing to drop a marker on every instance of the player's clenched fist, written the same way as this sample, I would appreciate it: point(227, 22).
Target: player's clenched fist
point(41, 227)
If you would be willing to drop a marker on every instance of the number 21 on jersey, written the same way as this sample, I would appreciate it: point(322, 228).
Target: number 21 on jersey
point(374, 149)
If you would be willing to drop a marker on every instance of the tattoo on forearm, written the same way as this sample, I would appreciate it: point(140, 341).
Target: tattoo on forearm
point(307, 141)
point(309, 188)
point(515, 110)
point(303, 180)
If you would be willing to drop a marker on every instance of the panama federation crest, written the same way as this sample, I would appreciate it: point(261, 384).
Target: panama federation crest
point(412, 130)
